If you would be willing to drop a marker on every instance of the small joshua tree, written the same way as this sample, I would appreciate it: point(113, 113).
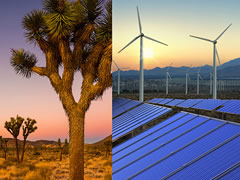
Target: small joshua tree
point(61, 148)
point(13, 127)
point(28, 128)
point(108, 147)
point(5, 147)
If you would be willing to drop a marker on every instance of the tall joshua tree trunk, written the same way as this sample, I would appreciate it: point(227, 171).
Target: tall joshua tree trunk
point(76, 145)
point(17, 150)
point(23, 149)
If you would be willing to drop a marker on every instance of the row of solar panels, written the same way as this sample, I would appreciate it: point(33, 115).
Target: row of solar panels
point(226, 106)
point(185, 146)
point(120, 105)
point(134, 118)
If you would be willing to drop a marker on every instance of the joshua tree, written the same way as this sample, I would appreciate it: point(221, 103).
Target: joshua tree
point(13, 127)
point(28, 128)
point(61, 148)
point(77, 36)
point(108, 147)
point(5, 148)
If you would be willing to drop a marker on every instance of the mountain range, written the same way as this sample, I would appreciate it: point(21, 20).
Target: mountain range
point(228, 70)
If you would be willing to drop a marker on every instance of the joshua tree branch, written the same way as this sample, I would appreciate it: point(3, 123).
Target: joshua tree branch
point(39, 70)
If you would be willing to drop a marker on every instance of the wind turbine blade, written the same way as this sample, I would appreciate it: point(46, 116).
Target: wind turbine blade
point(201, 38)
point(139, 22)
point(218, 56)
point(129, 43)
point(169, 76)
point(223, 32)
point(155, 40)
point(200, 77)
point(115, 64)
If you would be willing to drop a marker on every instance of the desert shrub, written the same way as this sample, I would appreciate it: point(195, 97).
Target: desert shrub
point(36, 153)
point(108, 163)
point(6, 164)
point(108, 177)
point(42, 172)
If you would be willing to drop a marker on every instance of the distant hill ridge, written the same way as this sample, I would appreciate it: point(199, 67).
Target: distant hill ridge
point(228, 70)
point(40, 143)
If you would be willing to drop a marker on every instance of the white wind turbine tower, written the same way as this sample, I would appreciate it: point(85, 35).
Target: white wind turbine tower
point(187, 78)
point(141, 76)
point(118, 69)
point(198, 77)
point(214, 60)
point(167, 76)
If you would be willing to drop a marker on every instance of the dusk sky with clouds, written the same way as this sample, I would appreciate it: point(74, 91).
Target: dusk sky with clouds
point(35, 98)
point(172, 21)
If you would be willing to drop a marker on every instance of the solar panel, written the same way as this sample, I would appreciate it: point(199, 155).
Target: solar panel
point(164, 149)
point(189, 103)
point(212, 163)
point(118, 102)
point(135, 118)
point(209, 104)
point(146, 133)
point(187, 154)
point(153, 100)
point(156, 100)
point(231, 173)
point(175, 102)
point(232, 106)
point(165, 101)
point(124, 107)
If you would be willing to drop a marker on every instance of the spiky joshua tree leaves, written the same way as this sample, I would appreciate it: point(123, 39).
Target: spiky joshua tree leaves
point(13, 126)
point(28, 127)
point(76, 35)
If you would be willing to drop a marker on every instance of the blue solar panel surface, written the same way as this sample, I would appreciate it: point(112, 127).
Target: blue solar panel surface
point(232, 106)
point(125, 105)
point(213, 163)
point(164, 101)
point(209, 104)
point(136, 117)
point(162, 150)
point(175, 102)
point(232, 174)
point(119, 102)
point(189, 103)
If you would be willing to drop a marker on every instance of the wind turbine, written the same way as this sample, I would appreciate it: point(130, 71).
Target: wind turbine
point(118, 69)
point(187, 78)
point(141, 76)
point(167, 75)
point(214, 59)
point(198, 77)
